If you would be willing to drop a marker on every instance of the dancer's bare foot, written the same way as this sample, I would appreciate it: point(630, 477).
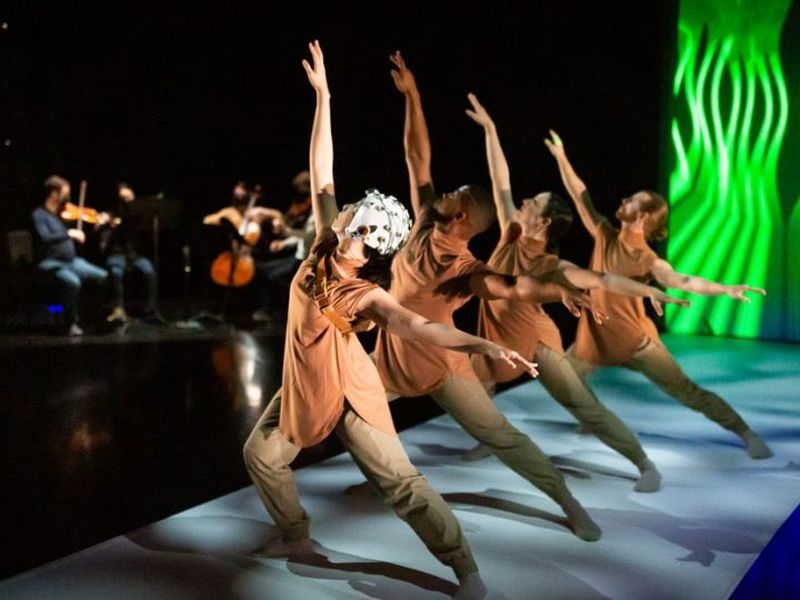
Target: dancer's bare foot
point(471, 587)
point(479, 452)
point(582, 524)
point(756, 448)
point(650, 479)
point(280, 548)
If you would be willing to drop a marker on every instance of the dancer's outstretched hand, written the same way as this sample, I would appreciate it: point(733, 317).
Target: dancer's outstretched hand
point(403, 77)
point(316, 73)
point(478, 113)
point(555, 145)
point(658, 299)
point(574, 300)
point(738, 292)
point(511, 358)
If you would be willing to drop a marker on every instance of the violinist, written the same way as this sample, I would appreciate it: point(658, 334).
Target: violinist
point(58, 257)
point(123, 248)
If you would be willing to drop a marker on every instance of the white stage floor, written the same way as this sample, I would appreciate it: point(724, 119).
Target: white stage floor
point(694, 539)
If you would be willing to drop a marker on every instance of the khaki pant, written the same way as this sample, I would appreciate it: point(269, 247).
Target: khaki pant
point(656, 363)
point(561, 381)
point(472, 408)
point(382, 460)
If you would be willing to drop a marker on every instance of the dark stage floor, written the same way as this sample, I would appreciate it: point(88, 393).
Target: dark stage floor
point(104, 434)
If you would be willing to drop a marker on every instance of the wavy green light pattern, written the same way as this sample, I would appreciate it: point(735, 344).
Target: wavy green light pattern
point(729, 121)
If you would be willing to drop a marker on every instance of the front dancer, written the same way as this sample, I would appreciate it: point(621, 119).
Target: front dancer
point(435, 274)
point(329, 382)
point(527, 246)
point(631, 339)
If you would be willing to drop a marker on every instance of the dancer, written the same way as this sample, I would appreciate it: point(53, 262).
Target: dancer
point(631, 338)
point(527, 246)
point(434, 275)
point(329, 382)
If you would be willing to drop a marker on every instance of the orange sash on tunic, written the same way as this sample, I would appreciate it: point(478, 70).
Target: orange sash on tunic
point(618, 339)
point(521, 326)
point(323, 366)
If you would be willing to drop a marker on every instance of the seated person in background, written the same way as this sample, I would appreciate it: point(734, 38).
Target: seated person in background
point(123, 249)
point(57, 251)
point(295, 231)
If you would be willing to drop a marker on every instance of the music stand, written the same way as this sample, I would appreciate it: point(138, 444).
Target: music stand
point(153, 214)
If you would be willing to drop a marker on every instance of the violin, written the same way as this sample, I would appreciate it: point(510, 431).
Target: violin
point(84, 214)
point(73, 212)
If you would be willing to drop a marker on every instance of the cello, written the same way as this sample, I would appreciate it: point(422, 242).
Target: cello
point(235, 267)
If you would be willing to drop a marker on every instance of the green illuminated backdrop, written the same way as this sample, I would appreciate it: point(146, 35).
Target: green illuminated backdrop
point(730, 220)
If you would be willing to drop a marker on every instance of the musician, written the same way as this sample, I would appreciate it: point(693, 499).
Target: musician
point(295, 231)
point(58, 257)
point(124, 250)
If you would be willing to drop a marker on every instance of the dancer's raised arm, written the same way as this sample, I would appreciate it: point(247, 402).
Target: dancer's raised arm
point(498, 166)
point(576, 188)
point(668, 277)
point(415, 133)
point(387, 312)
point(323, 202)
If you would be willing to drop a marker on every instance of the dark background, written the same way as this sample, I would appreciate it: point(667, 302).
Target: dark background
point(187, 98)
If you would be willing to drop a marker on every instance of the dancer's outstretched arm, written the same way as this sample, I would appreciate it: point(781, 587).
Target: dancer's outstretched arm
point(585, 279)
point(379, 306)
point(668, 277)
point(323, 203)
point(525, 288)
point(498, 165)
point(415, 133)
point(575, 187)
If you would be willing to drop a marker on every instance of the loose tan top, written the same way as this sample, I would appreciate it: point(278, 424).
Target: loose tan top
point(628, 326)
point(521, 326)
point(322, 367)
point(430, 263)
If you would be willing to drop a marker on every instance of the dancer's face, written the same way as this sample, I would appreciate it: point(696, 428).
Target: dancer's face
point(531, 217)
point(631, 208)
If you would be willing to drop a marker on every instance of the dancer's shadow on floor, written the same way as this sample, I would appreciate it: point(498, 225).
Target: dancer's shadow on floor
point(233, 541)
point(583, 469)
point(492, 503)
point(364, 575)
point(702, 538)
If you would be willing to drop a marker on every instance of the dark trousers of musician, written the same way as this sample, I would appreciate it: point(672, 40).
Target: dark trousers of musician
point(71, 275)
point(139, 269)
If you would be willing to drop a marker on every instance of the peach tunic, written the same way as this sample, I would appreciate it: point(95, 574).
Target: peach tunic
point(429, 259)
point(628, 326)
point(521, 326)
point(322, 367)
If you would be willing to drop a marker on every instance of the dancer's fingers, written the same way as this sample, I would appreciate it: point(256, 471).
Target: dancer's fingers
point(472, 115)
point(658, 307)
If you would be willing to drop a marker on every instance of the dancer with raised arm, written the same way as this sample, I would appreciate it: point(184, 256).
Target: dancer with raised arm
point(630, 338)
point(528, 246)
point(434, 275)
point(330, 384)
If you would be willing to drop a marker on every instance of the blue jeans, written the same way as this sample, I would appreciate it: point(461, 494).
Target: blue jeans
point(119, 265)
point(71, 275)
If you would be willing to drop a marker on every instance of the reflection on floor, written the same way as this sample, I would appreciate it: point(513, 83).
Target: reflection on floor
point(694, 539)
